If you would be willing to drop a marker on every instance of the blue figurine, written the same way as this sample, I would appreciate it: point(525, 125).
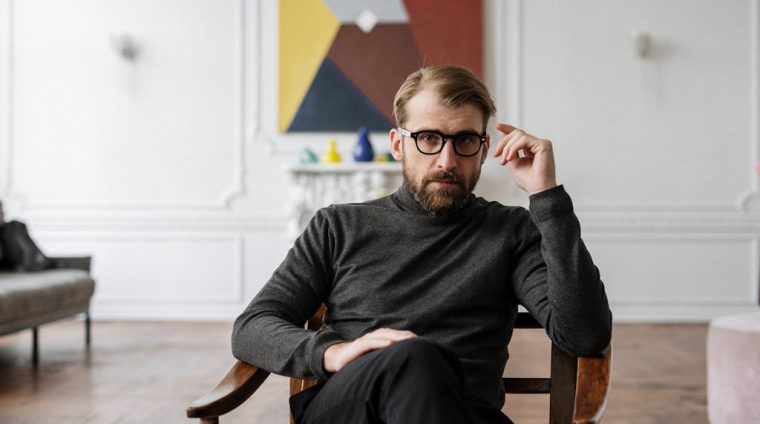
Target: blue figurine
point(363, 150)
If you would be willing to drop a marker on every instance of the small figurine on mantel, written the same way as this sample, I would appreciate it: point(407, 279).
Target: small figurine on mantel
point(308, 156)
point(332, 155)
point(385, 157)
point(363, 150)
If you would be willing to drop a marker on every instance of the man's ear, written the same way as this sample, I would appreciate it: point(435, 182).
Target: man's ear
point(397, 146)
point(484, 153)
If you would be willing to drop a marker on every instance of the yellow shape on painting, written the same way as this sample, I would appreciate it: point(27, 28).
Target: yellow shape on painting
point(307, 30)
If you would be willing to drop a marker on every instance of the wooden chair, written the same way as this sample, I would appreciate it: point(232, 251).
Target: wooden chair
point(577, 387)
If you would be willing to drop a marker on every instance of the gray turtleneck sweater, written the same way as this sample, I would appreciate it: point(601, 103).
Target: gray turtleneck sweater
point(456, 280)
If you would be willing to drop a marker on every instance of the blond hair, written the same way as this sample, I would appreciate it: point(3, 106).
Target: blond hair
point(455, 85)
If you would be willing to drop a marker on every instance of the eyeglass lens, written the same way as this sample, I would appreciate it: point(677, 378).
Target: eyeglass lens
point(464, 144)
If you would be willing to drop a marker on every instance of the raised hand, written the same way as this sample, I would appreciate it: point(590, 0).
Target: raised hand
point(535, 171)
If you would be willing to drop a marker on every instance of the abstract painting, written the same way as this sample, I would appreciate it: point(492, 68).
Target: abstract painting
point(341, 61)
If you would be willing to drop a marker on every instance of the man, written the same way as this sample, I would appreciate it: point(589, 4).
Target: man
point(422, 286)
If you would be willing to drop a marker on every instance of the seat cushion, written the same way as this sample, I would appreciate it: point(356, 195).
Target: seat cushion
point(25, 294)
point(733, 369)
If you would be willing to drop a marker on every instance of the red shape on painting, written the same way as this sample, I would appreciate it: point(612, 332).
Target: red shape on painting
point(448, 32)
point(376, 62)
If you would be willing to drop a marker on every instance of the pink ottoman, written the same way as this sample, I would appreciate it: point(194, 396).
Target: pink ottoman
point(733, 369)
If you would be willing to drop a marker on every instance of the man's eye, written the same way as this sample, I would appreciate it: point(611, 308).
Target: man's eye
point(429, 138)
point(466, 140)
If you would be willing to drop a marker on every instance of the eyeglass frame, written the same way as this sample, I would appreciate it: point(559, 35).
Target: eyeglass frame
point(483, 138)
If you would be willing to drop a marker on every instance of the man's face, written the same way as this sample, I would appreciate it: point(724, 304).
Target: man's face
point(441, 183)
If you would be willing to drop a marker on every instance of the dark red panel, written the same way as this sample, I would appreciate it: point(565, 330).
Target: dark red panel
point(376, 63)
point(448, 32)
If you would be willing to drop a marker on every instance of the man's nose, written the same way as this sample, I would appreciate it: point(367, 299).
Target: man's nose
point(447, 158)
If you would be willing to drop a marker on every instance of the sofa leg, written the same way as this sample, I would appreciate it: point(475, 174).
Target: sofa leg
point(35, 347)
point(87, 337)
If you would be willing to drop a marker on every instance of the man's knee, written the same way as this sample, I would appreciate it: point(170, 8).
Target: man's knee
point(422, 353)
point(417, 346)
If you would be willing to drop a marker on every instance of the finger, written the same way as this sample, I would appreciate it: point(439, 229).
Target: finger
point(512, 139)
point(528, 144)
point(522, 143)
point(391, 333)
point(500, 145)
point(505, 128)
point(386, 330)
point(535, 146)
point(366, 344)
point(361, 346)
point(371, 343)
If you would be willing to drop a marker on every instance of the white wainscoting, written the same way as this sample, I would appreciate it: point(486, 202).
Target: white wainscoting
point(686, 277)
point(169, 171)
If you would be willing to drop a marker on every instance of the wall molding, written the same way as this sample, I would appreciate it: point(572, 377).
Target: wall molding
point(747, 296)
point(238, 264)
point(227, 196)
point(733, 225)
point(514, 62)
point(749, 200)
point(238, 189)
point(6, 74)
point(674, 314)
point(144, 224)
point(755, 270)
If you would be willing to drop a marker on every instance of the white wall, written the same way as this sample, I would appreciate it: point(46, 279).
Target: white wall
point(170, 172)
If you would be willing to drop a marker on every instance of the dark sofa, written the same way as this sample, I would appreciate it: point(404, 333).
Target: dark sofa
point(30, 299)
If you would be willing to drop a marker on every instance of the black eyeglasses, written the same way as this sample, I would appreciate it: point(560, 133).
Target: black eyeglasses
point(431, 142)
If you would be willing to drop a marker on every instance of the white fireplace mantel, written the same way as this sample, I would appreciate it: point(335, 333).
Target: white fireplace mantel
point(314, 186)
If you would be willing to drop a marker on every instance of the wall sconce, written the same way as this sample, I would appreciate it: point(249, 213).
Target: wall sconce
point(642, 44)
point(125, 46)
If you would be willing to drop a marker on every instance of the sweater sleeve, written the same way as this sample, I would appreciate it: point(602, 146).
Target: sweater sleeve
point(270, 333)
point(555, 278)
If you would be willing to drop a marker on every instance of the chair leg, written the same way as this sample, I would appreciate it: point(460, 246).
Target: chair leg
point(212, 420)
point(87, 338)
point(35, 347)
point(564, 376)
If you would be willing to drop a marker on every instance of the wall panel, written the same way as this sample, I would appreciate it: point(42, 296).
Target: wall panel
point(159, 268)
point(668, 131)
point(161, 131)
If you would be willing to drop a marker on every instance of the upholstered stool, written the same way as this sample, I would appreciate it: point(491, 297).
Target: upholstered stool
point(733, 369)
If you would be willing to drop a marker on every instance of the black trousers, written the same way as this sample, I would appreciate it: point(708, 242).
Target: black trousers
point(412, 381)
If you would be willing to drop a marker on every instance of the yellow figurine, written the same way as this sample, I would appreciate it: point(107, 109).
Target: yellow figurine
point(332, 155)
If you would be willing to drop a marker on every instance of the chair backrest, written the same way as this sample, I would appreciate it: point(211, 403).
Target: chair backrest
point(560, 385)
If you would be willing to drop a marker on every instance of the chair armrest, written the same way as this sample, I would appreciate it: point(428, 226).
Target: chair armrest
point(592, 387)
point(77, 262)
point(235, 388)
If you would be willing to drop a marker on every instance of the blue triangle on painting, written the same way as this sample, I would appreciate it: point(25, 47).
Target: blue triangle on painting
point(333, 103)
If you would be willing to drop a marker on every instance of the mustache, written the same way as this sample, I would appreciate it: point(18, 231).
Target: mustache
point(442, 176)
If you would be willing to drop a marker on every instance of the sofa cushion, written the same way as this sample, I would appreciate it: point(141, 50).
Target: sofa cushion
point(29, 293)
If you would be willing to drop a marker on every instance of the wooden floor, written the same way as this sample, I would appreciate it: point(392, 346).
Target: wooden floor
point(149, 372)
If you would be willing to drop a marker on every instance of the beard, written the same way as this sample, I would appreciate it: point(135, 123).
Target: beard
point(437, 200)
